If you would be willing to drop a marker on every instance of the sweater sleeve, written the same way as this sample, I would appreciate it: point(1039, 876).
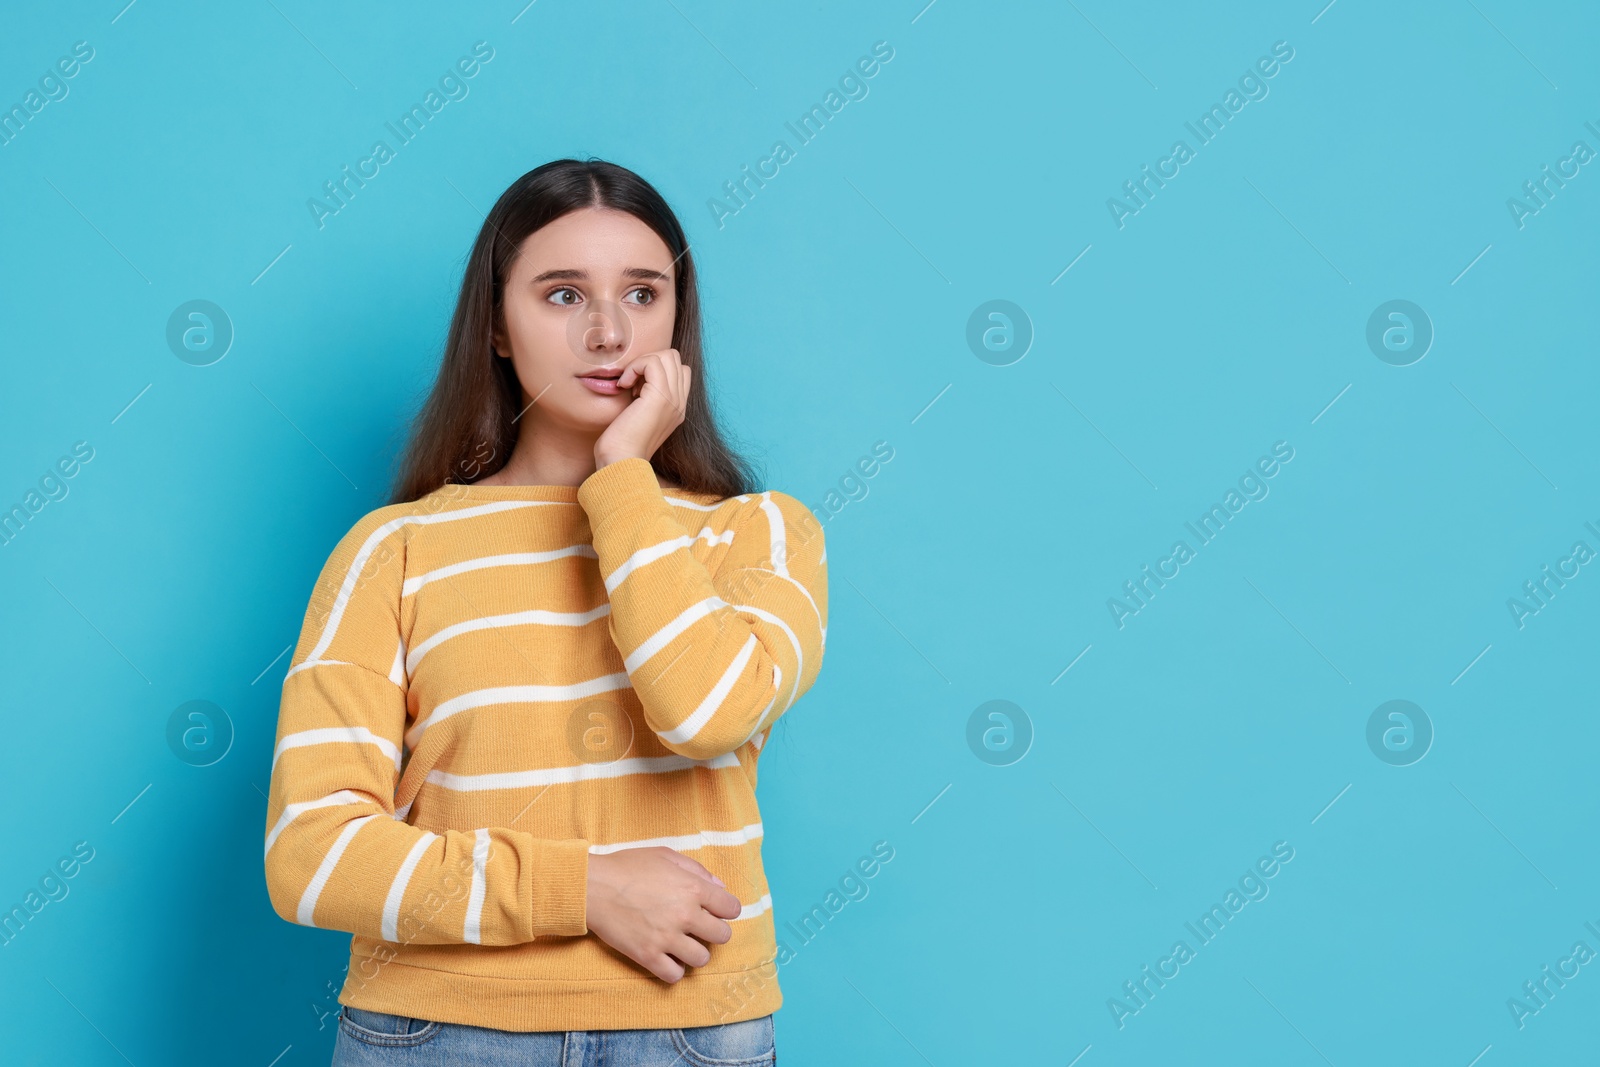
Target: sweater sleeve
point(338, 856)
point(715, 655)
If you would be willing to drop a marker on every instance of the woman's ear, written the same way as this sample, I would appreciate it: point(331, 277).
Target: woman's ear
point(497, 338)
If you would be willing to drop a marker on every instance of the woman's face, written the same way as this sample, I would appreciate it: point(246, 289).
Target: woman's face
point(587, 293)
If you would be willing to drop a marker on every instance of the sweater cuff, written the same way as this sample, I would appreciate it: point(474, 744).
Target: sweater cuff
point(618, 486)
point(560, 890)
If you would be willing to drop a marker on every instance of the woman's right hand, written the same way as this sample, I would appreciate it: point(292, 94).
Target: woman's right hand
point(650, 904)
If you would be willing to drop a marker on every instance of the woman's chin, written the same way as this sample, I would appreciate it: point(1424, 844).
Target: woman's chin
point(591, 417)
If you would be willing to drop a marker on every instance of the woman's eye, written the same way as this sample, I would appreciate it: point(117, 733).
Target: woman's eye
point(646, 292)
point(556, 295)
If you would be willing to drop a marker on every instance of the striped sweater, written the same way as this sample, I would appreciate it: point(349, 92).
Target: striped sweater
point(494, 682)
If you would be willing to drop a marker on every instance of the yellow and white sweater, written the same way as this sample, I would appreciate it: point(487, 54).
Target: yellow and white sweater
point(494, 682)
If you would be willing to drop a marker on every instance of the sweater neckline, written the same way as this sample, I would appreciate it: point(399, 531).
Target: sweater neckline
point(564, 493)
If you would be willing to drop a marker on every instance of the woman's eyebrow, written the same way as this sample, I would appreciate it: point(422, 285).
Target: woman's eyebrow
point(570, 274)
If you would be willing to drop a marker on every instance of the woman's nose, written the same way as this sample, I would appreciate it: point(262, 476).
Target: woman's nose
point(607, 328)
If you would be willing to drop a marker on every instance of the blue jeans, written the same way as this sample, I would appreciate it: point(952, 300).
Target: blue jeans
point(376, 1039)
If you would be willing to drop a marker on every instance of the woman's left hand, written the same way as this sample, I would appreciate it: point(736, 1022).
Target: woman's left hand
point(661, 398)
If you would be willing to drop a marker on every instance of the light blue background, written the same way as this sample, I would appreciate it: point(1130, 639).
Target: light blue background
point(1225, 316)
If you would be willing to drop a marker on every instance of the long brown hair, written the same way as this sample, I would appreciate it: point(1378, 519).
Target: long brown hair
point(466, 428)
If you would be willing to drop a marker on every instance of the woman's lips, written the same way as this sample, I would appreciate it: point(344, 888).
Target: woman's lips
point(603, 386)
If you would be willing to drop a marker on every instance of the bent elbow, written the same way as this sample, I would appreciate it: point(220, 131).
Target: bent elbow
point(725, 721)
point(285, 897)
point(721, 735)
point(727, 731)
point(702, 747)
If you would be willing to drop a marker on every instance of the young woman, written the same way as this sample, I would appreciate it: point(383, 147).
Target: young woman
point(517, 744)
